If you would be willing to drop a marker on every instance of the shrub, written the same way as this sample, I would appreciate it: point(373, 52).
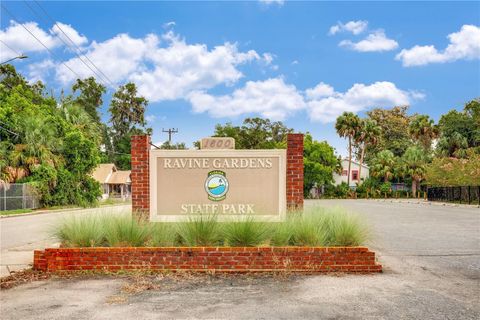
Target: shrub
point(386, 188)
point(199, 231)
point(246, 233)
point(124, 231)
point(342, 190)
point(81, 231)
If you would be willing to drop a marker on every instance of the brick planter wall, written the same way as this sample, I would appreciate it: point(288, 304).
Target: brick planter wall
point(222, 259)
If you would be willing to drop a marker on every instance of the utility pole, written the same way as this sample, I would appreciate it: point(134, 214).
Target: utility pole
point(170, 132)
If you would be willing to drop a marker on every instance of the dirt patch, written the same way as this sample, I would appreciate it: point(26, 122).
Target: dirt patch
point(21, 277)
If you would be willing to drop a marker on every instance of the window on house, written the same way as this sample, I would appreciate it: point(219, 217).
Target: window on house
point(354, 174)
point(344, 173)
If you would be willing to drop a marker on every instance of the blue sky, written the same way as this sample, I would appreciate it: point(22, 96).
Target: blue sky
point(303, 63)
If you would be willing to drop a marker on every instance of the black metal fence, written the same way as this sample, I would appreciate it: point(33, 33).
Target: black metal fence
point(463, 194)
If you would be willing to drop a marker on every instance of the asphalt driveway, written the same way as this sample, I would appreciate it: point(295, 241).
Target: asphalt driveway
point(431, 264)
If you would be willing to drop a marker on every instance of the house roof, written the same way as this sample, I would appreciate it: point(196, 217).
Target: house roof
point(120, 177)
point(108, 173)
point(103, 171)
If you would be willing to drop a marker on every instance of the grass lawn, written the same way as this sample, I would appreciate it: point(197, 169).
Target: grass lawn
point(17, 211)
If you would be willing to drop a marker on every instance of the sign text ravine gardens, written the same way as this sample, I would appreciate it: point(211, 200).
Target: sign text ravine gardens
point(227, 183)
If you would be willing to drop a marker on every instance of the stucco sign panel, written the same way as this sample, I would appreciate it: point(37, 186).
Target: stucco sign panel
point(227, 183)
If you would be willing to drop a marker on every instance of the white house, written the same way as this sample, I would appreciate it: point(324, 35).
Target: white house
point(115, 183)
point(354, 171)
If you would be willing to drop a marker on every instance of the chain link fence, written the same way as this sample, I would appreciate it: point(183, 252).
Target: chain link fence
point(15, 196)
point(463, 194)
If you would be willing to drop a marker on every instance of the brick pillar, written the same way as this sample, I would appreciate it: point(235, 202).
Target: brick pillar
point(140, 176)
point(294, 171)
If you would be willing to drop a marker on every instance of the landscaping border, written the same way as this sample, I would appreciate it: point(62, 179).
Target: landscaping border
point(209, 259)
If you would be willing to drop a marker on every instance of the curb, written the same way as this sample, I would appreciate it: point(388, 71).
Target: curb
point(430, 203)
point(34, 213)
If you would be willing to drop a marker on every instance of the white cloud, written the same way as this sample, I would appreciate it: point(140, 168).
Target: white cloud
point(40, 70)
point(376, 41)
point(272, 98)
point(464, 44)
point(294, 62)
point(166, 68)
point(72, 34)
point(325, 106)
point(19, 39)
point(118, 58)
point(355, 27)
point(270, 2)
point(319, 91)
point(150, 118)
point(275, 99)
point(169, 24)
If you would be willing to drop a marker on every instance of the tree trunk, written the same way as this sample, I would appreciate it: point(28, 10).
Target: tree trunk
point(361, 164)
point(349, 159)
point(414, 188)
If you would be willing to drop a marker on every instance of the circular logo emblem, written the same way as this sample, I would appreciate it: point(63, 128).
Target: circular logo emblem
point(216, 185)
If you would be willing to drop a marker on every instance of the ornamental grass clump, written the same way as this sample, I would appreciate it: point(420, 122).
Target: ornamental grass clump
point(162, 235)
point(203, 230)
point(343, 229)
point(246, 232)
point(80, 231)
point(125, 231)
point(316, 226)
point(306, 230)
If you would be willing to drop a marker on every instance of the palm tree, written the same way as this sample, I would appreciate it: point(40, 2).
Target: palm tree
point(423, 129)
point(384, 165)
point(367, 135)
point(413, 164)
point(347, 125)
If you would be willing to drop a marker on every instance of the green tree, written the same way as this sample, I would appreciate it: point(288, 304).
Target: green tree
point(319, 163)
point(383, 165)
point(367, 135)
point(413, 164)
point(348, 125)
point(89, 96)
point(127, 116)
point(423, 130)
point(394, 136)
point(459, 131)
point(255, 133)
point(127, 109)
point(173, 146)
point(52, 148)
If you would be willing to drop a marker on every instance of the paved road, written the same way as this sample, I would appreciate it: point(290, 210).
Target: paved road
point(431, 258)
point(19, 236)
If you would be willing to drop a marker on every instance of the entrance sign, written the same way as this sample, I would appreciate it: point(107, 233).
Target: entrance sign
point(227, 183)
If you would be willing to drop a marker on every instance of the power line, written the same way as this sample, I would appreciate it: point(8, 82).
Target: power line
point(61, 39)
point(53, 20)
point(50, 51)
point(76, 46)
point(13, 50)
